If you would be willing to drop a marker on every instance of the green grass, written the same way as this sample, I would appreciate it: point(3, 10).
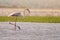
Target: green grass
point(44, 19)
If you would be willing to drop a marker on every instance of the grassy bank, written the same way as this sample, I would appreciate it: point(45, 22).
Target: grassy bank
point(45, 19)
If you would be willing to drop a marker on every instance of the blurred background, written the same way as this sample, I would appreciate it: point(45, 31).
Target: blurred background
point(31, 3)
point(50, 8)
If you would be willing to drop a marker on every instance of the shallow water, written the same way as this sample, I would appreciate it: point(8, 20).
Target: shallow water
point(30, 31)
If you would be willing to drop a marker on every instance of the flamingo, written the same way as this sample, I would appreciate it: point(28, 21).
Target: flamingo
point(16, 14)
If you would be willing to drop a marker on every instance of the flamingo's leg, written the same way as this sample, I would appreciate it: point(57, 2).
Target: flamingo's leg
point(15, 23)
point(10, 20)
point(14, 19)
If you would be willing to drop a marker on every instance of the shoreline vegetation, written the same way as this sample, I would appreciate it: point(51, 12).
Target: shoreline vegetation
point(40, 19)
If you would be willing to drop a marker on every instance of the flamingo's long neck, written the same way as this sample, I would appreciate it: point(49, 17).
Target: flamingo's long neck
point(25, 13)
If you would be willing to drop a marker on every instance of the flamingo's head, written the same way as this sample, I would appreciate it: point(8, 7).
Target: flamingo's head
point(26, 12)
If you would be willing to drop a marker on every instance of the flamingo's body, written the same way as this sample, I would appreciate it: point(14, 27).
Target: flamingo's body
point(16, 14)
